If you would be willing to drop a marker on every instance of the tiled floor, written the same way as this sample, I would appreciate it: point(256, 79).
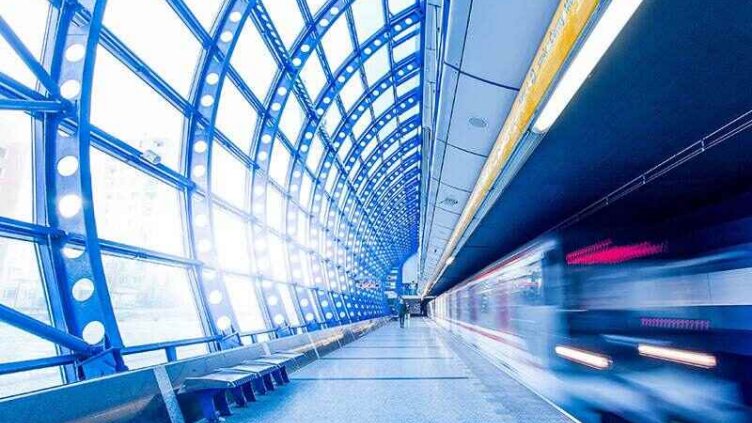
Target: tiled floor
point(416, 374)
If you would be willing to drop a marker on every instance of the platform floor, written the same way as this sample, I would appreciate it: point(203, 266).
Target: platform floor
point(416, 374)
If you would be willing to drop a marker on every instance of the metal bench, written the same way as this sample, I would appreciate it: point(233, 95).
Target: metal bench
point(211, 390)
point(263, 371)
point(281, 360)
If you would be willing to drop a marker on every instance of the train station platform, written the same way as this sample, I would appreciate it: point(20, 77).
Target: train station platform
point(415, 374)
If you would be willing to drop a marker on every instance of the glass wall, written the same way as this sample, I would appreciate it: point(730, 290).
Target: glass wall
point(209, 168)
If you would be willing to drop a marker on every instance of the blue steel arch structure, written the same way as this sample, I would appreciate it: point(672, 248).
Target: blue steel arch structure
point(318, 184)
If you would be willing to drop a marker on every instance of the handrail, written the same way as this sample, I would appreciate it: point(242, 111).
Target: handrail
point(37, 363)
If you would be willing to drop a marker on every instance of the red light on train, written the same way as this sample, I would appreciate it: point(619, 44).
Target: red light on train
point(605, 252)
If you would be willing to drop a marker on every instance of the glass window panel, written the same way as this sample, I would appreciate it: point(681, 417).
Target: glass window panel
point(275, 208)
point(231, 241)
point(229, 177)
point(16, 163)
point(337, 43)
point(126, 107)
point(405, 49)
point(236, 118)
point(253, 60)
point(286, 18)
point(377, 65)
point(354, 170)
point(205, 11)
point(361, 125)
point(387, 129)
point(369, 18)
point(391, 150)
point(352, 91)
point(28, 20)
point(141, 360)
point(383, 102)
point(305, 264)
point(313, 76)
point(315, 152)
point(133, 208)
point(152, 302)
point(279, 163)
point(22, 289)
point(331, 180)
point(286, 296)
point(277, 260)
point(302, 223)
point(306, 187)
point(315, 5)
point(409, 113)
point(292, 118)
point(344, 149)
point(396, 6)
point(244, 301)
point(332, 119)
point(158, 36)
point(408, 85)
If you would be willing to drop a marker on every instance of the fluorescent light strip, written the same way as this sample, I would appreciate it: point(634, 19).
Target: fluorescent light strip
point(605, 32)
point(588, 358)
point(690, 358)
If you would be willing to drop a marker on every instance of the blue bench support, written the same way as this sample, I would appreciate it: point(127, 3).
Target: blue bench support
point(211, 391)
point(263, 381)
point(281, 360)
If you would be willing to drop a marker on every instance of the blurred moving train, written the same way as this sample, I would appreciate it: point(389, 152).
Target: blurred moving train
point(652, 325)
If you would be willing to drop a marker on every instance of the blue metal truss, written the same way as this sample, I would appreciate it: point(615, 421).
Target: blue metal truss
point(85, 330)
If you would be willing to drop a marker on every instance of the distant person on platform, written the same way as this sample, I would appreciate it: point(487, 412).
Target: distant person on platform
point(402, 309)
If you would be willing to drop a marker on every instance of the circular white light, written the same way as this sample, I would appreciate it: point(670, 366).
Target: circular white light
point(200, 146)
point(75, 52)
point(207, 100)
point(199, 171)
point(296, 61)
point(212, 78)
point(304, 302)
point(341, 314)
point(266, 138)
point(226, 37)
point(325, 303)
point(72, 252)
point(324, 22)
point(272, 300)
point(93, 332)
point(83, 289)
point(309, 316)
point(305, 48)
point(224, 323)
point(235, 16)
point(215, 297)
point(67, 166)
point(69, 205)
point(329, 315)
point(279, 319)
point(70, 89)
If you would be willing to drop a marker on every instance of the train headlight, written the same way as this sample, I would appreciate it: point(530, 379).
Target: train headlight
point(584, 357)
point(690, 358)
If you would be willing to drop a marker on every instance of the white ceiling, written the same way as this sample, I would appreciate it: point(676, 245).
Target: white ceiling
point(488, 48)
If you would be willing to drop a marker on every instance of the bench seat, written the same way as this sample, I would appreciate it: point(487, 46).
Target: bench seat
point(211, 389)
